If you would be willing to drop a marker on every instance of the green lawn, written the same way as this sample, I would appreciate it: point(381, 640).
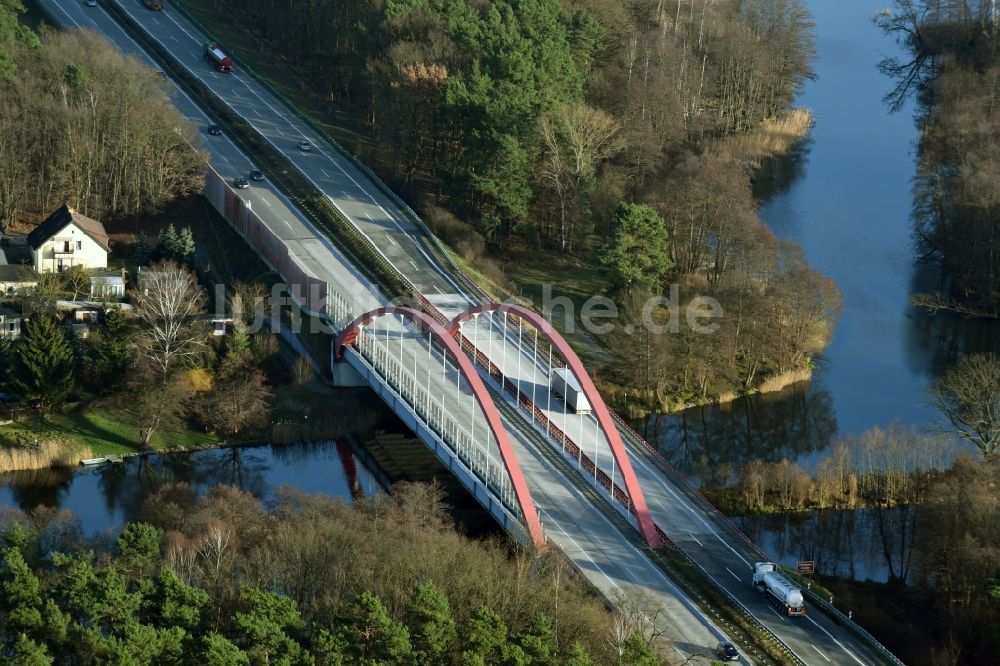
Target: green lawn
point(106, 430)
point(577, 278)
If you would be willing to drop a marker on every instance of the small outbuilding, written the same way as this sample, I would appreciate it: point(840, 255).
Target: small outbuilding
point(10, 324)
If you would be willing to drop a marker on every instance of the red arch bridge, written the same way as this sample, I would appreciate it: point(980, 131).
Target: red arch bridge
point(444, 378)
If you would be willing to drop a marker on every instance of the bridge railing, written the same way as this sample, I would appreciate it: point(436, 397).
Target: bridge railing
point(429, 408)
point(554, 433)
point(732, 600)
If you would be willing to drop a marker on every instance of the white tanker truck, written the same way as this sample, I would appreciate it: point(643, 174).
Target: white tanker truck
point(777, 589)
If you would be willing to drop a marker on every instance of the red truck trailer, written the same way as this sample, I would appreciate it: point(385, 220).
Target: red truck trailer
point(215, 55)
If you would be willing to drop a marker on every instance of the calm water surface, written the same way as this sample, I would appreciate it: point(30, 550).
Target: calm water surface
point(845, 197)
point(104, 498)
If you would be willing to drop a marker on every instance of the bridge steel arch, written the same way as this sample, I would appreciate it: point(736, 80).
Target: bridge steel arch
point(600, 409)
point(507, 455)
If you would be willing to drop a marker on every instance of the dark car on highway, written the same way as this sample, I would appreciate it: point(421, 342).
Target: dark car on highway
point(255, 174)
point(726, 651)
point(241, 183)
point(214, 130)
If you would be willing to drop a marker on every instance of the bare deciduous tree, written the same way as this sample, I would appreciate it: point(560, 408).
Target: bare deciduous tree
point(968, 395)
point(169, 302)
point(577, 139)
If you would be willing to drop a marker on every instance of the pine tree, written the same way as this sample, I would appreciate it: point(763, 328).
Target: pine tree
point(6, 361)
point(44, 368)
point(115, 354)
point(269, 627)
point(485, 637)
point(185, 246)
point(539, 642)
point(217, 650)
point(372, 636)
point(431, 625)
point(29, 653)
point(168, 243)
point(139, 545)
point(142, 252)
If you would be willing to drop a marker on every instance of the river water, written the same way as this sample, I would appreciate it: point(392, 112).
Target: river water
point(105, 498)
point(845, 196)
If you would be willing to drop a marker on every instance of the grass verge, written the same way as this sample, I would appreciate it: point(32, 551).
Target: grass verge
point(97, 429)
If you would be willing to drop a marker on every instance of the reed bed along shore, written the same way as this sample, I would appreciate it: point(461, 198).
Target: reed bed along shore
point(45, 454)
point(775, 136)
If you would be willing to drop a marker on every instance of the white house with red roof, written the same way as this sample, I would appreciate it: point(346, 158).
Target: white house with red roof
point(68, 238)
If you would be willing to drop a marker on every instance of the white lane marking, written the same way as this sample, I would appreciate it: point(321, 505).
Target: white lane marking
point(734, 575)
point(349, 177)
point(662, 482)
point(780, 616)
point(278, 130)
point(434, 287)
point(682, 598)
point(413, 264)
point(153, 19)
point(820, 653)
point(420, 249)
point(67, 15)
point(695, 538)
point(325, 174)
point(578, 547)
point(389, 238)
point(268, 203)
point(324, 241)
point(823, 629)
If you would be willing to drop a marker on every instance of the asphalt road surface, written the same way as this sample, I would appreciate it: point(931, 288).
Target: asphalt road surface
point(609, 559)
point(697, 529)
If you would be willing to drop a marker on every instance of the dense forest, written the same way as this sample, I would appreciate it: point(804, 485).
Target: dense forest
point(222, 580)
point(520, 127)
point(955, 71)
point(82, 123)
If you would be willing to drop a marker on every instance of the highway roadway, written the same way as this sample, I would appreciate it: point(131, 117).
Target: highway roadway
point(346, 185)
point(314, 251)
point(695, 528)
point(684, 516)
point(613, 562)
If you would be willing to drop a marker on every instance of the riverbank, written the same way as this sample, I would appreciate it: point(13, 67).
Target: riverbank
point(101, 428)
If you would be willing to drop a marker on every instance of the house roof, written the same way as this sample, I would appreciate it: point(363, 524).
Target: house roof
point(17, 273)
point(107, 279)
point(58, 220)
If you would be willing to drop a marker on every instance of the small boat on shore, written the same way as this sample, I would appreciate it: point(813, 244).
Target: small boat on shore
point(91, 462)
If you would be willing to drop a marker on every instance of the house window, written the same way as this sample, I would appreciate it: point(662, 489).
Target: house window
point(79, 245)
point(59, 265)
point(65, 246)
